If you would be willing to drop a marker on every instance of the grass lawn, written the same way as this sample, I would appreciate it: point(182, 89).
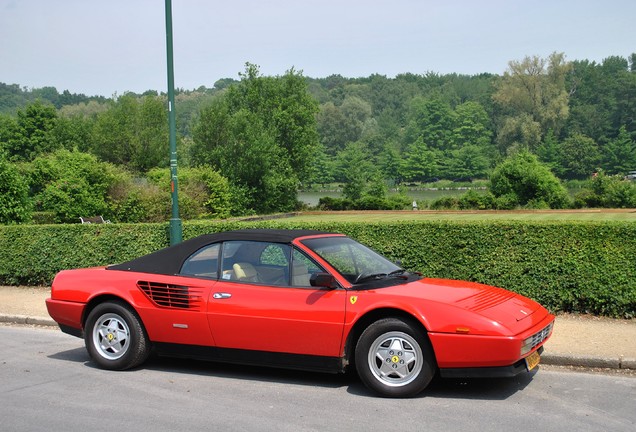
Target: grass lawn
point(628, 215)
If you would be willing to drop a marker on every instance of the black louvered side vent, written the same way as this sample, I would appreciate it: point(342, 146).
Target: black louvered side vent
point(171, 296)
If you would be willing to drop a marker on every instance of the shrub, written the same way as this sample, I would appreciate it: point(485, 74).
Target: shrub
point(137, 200)
point(445, 203)
point(367, 202)
point(472, 200)
point(331, 203)
point(71, 184)
point(203, 192)
point(613, 191)
point(506, 202)
point(15, 206)
point(581, 267)
point(71, 198)
point(398, 202)
point(523, 180)
point(606, 191)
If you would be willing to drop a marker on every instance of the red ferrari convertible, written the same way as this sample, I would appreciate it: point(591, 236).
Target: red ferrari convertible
point(298, 299)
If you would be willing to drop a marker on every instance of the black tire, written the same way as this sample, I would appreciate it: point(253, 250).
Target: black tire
point(115, 337)
point(395, 358)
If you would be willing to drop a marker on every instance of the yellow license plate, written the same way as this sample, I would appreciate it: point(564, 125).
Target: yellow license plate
point(533, 360)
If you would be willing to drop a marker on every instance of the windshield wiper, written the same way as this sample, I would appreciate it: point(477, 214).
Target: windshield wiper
point(400, 273)
point(366, 276)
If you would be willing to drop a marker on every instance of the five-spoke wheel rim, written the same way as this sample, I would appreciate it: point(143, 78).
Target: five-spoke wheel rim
point(395, 359)
point(111, 336)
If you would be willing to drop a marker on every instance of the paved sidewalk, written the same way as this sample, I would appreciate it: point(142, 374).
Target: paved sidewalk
point(576, 340)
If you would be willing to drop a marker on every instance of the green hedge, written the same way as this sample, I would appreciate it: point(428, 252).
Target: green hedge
point(567, 266)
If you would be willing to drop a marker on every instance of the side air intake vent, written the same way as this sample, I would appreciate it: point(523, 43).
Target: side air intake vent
point(171, 296)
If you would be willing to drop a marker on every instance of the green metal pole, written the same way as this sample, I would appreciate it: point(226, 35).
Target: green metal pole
point(175, 222)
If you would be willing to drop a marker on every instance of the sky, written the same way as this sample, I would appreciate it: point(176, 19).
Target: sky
point(99, 47)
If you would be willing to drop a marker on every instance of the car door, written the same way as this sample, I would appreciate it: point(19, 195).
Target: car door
point(267, 312)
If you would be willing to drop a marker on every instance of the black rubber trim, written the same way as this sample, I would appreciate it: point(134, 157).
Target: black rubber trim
point(72, 331)
point(487, 372)
point(249, 357)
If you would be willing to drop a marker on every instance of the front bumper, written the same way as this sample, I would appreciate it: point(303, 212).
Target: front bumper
point(488, 372)
point(466, 351)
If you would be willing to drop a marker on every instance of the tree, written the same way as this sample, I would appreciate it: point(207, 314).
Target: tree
point(518, 132)
point(355, 169)
point(619, 154)
point(431, 120)
point(285, 107)
point(203, 192)
point(522, 180)
point(71, 184)
point(579, 156)
point(261, 135)
point(390, 164)
point(603, 98)
point(333, 128)
point(15, 205)
point(74, 133)
point(8, 130)
point(322, 169)
point(472, 126)
point(549, 152)
point(133, 132)
point(339, 125)
point(33, 132)
point(421, 163)
point(534, 89)
point(468, 162)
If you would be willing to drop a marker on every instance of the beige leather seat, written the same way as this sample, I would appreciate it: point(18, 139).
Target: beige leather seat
point(245, 272)
point(300, 275)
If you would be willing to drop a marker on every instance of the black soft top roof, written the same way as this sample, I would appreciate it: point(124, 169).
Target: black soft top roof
point(169, 260)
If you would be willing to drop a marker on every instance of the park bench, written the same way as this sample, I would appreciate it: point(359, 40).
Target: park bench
point(94, 220)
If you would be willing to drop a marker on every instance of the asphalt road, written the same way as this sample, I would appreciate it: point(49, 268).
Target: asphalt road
point(47, 382)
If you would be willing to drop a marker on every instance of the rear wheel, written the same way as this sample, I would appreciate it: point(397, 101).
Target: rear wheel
point(115, 337)
point(395, 358)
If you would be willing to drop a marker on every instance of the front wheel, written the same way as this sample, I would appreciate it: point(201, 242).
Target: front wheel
point(115, 337)
point(395, 358)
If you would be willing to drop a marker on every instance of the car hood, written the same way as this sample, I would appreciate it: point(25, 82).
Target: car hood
point(508, 309)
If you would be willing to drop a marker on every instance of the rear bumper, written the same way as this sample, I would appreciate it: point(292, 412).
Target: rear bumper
point(67, 314)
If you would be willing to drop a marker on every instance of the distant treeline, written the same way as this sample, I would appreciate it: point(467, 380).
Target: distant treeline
point(265, 136)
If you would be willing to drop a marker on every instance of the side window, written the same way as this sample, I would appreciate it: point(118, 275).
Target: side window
point(202, 263)
point(275, 255)
point(230, 256)
point(302, 269)
point(261, 263)
point(273, 265)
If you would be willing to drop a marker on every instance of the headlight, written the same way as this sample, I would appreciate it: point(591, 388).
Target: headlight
point(536, 339)
point(527, 346)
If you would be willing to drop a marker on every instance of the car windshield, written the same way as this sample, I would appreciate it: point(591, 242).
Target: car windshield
point(356, 262)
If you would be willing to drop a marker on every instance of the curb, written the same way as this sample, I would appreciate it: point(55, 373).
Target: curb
point(619, 362)
point(554, 359)
point(23, 319)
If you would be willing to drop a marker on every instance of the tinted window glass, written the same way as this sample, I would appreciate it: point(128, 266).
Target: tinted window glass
point(203, 263)
point(302, 269)
point(352, 259)
point(275, 255)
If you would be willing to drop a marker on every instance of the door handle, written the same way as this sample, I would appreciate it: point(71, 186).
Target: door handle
point(221, 295)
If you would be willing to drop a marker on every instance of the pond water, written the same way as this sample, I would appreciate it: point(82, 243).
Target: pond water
point(311, 198)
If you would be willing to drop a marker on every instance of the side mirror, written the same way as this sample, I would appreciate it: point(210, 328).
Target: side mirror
point(323, 280)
